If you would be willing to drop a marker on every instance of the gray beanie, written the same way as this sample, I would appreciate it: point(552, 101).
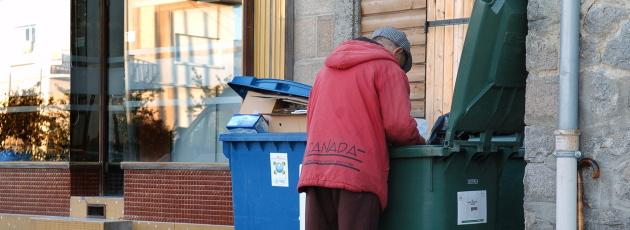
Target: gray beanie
point(400, 39)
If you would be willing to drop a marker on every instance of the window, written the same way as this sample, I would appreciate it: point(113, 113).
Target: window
point(169, 97)
point(98, 82)
point(34, 93)
point(28, 43)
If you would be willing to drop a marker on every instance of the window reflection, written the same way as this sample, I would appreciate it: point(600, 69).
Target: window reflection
point(86, 81)
point(168, 65)
point(172, 99)
point(34, 81)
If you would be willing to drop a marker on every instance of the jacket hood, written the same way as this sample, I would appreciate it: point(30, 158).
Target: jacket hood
point(354, 52)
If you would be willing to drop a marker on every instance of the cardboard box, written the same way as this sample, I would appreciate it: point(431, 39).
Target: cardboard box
point(291, 123)
point(277, 111)
point(255, 103)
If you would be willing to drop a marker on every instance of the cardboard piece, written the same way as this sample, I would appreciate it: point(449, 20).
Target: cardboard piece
point(255, 103)
point(280, 123)
point(277, 111)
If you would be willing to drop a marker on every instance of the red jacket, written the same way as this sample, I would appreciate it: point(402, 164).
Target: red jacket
point(359, 104)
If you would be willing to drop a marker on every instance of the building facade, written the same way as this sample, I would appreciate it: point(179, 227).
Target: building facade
point(119, 104)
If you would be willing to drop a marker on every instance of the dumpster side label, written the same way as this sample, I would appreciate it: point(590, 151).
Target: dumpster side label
point(279, 169)
point(472, 207)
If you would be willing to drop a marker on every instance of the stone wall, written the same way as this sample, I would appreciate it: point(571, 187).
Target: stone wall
point(319, 27)
point(604, 111)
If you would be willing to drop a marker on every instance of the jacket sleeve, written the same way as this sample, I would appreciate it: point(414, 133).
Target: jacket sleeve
point(393, 92)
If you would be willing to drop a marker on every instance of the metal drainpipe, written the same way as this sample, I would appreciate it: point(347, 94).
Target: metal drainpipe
point(568, 135)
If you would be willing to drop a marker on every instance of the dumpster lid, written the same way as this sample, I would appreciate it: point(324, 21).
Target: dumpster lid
point(243, 84)
point(261, 137)
point(489, 95)
point(508, 144)
point(415, 151)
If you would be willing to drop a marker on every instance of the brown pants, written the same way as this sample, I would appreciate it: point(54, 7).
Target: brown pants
point(338, 209)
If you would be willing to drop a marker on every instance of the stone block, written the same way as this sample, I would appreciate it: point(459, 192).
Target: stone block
point(608, 219)
point(542, 51)
point(621, 184)
point(16, 221)
point(540, 215)
point(149, 225)
point(305, 38)
point(313, 8)
point(53, 222)
point(541, 100)
point(539, 183)
point(543, 10)
point(599, 95)
point(591, 51)
point(617, 51)
point(603, 100)
point(114, 206)
point(609, 146)
point(543, 15)
point(347, 20)
point(304, 71)
point(602, 19)
point(325, 30)
point(607, 142)
point(145, 225)
point(539, 143)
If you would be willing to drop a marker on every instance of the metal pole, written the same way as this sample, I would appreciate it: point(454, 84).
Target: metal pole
point(567, 135)
point(569, 64)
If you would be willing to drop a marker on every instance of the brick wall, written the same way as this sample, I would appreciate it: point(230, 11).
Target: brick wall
point(35, 191)
point(184, 196)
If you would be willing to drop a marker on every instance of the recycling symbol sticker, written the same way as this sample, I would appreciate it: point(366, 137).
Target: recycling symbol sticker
point(279, 169)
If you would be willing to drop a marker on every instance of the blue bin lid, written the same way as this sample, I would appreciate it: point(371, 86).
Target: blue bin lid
point(243, 84)
point(259, 137)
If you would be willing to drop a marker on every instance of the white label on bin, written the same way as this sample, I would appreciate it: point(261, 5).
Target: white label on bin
point(472, 207)
point(279, 169)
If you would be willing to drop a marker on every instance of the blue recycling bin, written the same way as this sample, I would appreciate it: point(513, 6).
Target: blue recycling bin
point(265, 171)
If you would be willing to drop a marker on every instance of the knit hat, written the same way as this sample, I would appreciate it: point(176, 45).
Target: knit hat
point(400, 39)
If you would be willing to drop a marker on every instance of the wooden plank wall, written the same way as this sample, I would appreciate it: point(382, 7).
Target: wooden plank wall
point(409, 16)
point(444, 48)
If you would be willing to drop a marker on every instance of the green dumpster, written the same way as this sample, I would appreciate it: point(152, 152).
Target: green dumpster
point(475, 179)
point(511, 193)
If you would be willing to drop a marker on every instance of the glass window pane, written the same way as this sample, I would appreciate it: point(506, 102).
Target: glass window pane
point(169, 100)
point(34, 81)
point(85, 83)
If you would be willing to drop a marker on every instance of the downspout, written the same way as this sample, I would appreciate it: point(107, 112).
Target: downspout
point(568, 135)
